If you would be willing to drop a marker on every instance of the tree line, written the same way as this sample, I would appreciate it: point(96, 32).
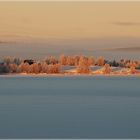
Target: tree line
point(53, 64)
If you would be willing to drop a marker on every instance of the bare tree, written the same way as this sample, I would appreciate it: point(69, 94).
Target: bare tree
point(7, 60)
point(17, 61)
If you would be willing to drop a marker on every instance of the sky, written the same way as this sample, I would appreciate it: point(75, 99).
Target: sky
point(46, 20)
point(70, 19)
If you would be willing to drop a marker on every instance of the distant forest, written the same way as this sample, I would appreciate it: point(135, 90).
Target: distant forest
point(52, 65)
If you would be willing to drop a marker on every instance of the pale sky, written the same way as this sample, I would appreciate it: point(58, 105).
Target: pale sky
point(69, 20)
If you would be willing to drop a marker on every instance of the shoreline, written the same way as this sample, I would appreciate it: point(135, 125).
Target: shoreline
point(68, 75)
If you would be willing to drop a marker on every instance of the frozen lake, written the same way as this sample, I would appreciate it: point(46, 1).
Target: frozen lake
point(69, 107)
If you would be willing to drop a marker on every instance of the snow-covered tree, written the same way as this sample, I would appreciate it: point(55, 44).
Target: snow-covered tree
point(106, 69)
point(54, 68)
point(91, 61)
point(100, 61)
point(70, 61)
point(35, 68)
point(132, 68)
point(83, 66)
point(76, 60)
point(13, 68)
point(44, 68)
point(63, 60)
point(23, 67)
